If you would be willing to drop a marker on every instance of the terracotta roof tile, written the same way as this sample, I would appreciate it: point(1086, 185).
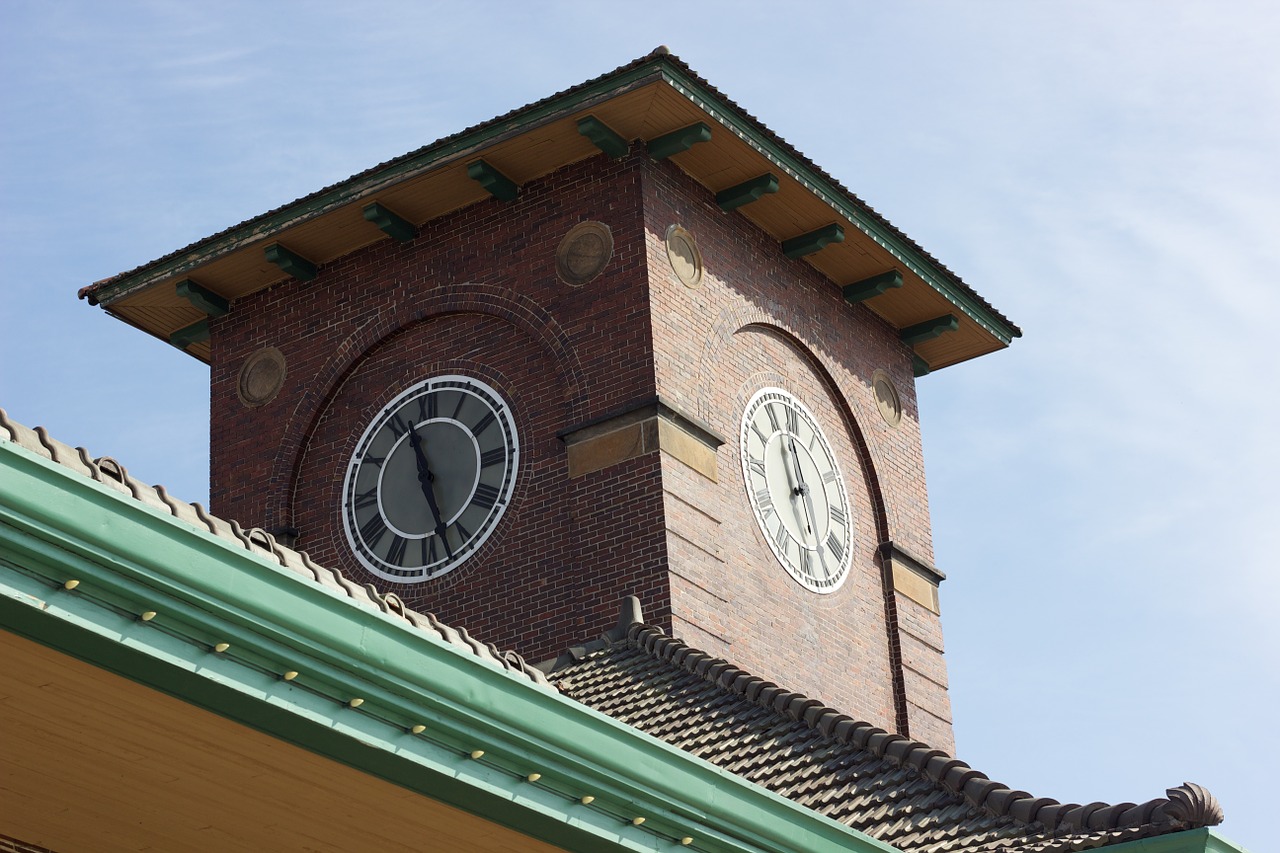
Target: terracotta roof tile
point(895, 789)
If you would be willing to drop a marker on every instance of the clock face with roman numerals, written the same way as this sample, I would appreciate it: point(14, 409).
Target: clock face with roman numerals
point(796, 491)
point(430, 479)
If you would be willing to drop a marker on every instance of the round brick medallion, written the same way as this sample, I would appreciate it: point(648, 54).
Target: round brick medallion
point(584, 252)
point(887, 400)
point(261, 377)
point(686, 260)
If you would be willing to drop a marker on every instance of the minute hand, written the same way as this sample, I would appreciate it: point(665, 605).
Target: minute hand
point(802, 488)
point(425, 479)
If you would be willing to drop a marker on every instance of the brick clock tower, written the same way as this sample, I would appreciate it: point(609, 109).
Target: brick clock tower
point(623, 341)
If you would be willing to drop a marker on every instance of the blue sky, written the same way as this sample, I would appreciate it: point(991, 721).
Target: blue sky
point(1106, 174)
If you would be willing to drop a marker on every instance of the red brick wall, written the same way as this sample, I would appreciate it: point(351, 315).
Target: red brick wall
point(475, 293)
point(760, 319)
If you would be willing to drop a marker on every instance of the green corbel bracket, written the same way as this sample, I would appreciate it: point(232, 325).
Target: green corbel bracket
point(814, 241)
point(863, 290)
point(497, 184)
point(929, 329)
point(679, 140)
point(197, 332)
point(919, 367)
point(389, 223)
point(202, 298)
point(747, 192)
point(603, 137)
point(290, 262)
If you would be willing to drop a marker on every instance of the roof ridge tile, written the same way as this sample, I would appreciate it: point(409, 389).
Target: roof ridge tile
point(1188, 805)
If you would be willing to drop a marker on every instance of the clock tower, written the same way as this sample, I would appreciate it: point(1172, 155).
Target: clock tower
point(623, 341)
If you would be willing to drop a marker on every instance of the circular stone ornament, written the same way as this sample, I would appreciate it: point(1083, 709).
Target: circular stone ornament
point(887, 399)
point(261, 377)
point(682, 251)
point(584, 253)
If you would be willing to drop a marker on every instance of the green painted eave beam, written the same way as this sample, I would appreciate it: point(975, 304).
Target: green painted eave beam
point(814, 241)
point(603, 137)
point(494, 182)
point(919, 367)
point(822, 185)
point(290, 262)
point(394, 226)
point(676, 141)
point(747, 192)
point(197, 332)
point(129, 557)
point(202, 298)
point(860, 291)
point(929, 329)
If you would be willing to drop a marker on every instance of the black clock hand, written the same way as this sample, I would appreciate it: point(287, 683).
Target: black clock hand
point(802, 488)
point(425, 479)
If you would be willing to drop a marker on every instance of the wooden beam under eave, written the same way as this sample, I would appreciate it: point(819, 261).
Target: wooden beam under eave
point(814, 241)
point(394, 226)
point(290, 262)
point(929, 329)
point(860, 291)
point(919, 367)
point(747, 192)
point(197, 332)
point(201, 298)
point(679, 140)
point(494, 182)
point(603, 137)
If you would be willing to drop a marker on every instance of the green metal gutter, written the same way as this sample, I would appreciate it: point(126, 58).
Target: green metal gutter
point(130, 558)
point(467, 144)
point(1189, 841)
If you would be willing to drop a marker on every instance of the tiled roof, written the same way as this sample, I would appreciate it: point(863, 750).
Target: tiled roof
point(894, 789)
point(112, 474)
point(662, 54)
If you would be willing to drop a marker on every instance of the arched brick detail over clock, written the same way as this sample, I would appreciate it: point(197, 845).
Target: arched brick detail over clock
point(440, 301)
point(730, 323)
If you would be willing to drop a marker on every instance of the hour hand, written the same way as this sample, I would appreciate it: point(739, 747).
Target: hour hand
point(425, 479)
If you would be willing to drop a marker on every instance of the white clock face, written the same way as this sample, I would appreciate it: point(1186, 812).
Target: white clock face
point(796, 491)
point(430, 479)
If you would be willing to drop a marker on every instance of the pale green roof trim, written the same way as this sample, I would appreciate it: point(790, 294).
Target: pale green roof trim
point(130, 556)
point(1202, 840)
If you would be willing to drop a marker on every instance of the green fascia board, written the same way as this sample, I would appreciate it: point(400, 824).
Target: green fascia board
point(1202, 840)
point(56, 524)
point(463, 145)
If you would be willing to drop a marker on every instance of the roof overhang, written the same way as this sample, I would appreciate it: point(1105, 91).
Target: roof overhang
point(647, 100)
point(284, 695)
